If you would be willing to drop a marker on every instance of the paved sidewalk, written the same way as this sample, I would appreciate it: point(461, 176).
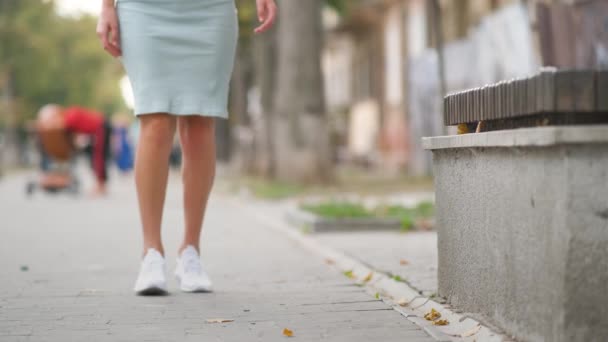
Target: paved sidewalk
point(69, 265)
point(411, 256)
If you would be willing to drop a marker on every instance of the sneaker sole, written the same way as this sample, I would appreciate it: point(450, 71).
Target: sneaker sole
point(153, 291)
point(199, 290)
point(202, 290)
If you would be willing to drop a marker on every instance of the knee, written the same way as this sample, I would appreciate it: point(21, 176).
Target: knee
point(157, 131)
point(196, 130)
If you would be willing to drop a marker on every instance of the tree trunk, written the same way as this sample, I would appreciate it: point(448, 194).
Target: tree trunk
point(302, 144)
point(9, 155)
point(264, 56)
point(239, 120)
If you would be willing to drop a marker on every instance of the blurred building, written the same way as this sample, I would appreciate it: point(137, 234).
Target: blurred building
point(382, 71)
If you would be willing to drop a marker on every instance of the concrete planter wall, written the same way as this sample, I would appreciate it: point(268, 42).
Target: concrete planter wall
point(522, 218)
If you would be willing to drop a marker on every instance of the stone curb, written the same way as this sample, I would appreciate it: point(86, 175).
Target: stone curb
point(522, 137)
point(399, 295)
point(312, 223)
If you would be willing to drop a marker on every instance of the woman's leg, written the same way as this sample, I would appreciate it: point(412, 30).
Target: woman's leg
point(151, 173)
point(197, 137)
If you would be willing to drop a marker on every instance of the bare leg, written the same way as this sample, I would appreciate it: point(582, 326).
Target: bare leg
point(151, 173)
point(197, 137)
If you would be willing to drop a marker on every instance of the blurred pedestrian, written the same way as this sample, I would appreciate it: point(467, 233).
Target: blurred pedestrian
point(179, 56)
point(123, 148)
point(79, 120)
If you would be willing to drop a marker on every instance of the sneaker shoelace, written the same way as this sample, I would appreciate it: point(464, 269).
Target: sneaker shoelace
point(153, 264)
point(193, 265)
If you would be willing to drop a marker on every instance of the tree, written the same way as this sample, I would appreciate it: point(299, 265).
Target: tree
point(301, 135)
point(264, 55)
point(45, 58)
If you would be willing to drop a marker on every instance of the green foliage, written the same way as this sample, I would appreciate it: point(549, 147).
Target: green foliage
point(339, 210)
point(426, 209)
point(340, 6)
point(407, 223)
point(407, 216)
point(54, 59)
point(247, 18)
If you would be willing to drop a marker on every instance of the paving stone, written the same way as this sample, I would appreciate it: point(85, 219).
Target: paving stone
point(83, 255)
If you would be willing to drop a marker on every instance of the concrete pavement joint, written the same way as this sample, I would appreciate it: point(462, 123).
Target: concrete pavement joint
point(460, 329)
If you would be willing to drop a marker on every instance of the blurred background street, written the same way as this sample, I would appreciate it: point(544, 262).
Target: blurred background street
point(324, 218)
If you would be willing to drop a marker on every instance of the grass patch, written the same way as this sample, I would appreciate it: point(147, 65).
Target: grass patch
point(346, 180)
point(340, 210)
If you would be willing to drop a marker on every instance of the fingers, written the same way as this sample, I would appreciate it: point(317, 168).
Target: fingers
point(261, 7)
point(270, 12)
point(113, 50)
point(109, 36)
point(102, 33)
point(115, 38)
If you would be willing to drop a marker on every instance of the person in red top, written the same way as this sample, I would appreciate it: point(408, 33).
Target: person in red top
point(79, 120)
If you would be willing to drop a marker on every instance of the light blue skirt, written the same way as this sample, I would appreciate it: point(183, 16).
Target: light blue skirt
point(179, 54)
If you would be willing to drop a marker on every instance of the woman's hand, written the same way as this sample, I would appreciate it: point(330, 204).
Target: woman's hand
point(267, 13)
point(107, 29)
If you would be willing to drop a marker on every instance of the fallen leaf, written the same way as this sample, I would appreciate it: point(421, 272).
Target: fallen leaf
point(402, 302)
point(368, 277)
point(470, 332)
point(425, 224)
point(329, 261)
point(432, 315)
point(377, 295)
point(349, 274)
point(463, 129)
point(287, 332)
point(403, 262)
point(441, 322)
point(219, 320)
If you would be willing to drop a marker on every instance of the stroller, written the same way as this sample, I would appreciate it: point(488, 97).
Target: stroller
point(57, 155)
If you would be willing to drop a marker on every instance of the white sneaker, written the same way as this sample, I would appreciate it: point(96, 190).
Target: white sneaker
point(152, 280)
point(190, 274)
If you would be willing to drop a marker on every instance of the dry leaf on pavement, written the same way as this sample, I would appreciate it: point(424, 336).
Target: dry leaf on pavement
point(403, 262)
point(470, 332)
point(219, 320)
point(441, 322)
point(329, 261)
point(349, 274)
point(287, 332)
point(432, 315)
point(402, 302)
point(368, 277)
point(425, 224)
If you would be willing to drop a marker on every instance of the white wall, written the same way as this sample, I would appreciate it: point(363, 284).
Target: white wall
point(394, 59)
point(417, 28)
point(337, 72)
